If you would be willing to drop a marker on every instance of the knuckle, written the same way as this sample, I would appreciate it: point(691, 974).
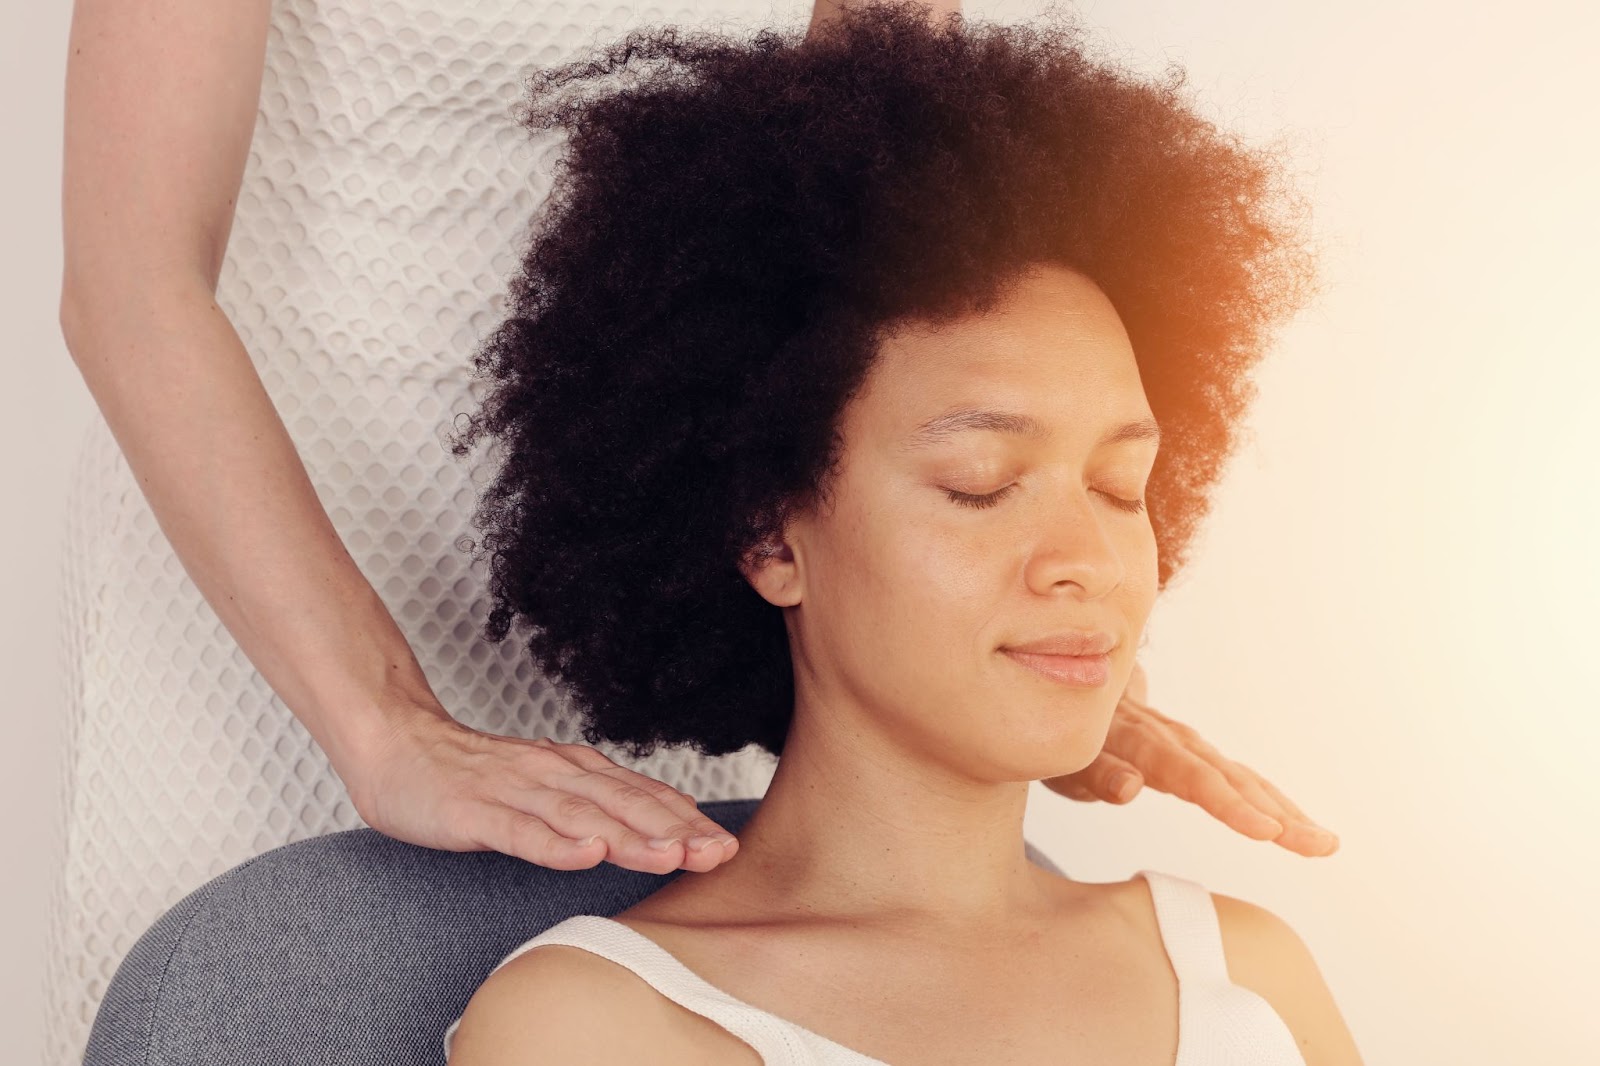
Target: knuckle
point(676, 830)
point(572, 805)
point(547, 762)
point(1235, 774)
point(631, 795)
point(531, 837)
point(582, 757)
point(1149, 728)
point(1187, 732)
point(1202, 779)
point(635, 840)
point(660, 790)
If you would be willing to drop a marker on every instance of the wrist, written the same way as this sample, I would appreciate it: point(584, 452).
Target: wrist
point(359, 693)
point(376, 719)
point(368, 731)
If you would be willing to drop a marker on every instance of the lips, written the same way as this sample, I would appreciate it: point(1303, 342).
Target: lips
point(1075, 642)
point(1078, 657)
point(1072, 669)
point(1089, 671)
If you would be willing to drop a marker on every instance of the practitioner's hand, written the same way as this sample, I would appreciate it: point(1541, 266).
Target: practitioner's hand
point(1172, 757)
point(431, 781)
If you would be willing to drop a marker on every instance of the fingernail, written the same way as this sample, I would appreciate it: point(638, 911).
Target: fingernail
point(588, 840)
point(662, 843)
point(697, 843)
point(1122, 785)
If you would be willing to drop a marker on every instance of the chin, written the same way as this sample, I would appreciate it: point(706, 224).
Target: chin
point(1055, 755)
point(1077, 748)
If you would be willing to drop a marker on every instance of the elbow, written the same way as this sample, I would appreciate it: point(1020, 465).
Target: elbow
point(127, 300)
point(72, 312)
point(69, 316)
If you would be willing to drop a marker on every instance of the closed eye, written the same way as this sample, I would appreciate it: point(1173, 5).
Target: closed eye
point(967, 499)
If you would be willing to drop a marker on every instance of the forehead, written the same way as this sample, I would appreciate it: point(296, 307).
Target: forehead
point(1053, 347)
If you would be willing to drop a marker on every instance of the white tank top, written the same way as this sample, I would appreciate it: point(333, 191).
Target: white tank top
point(1219, 1023)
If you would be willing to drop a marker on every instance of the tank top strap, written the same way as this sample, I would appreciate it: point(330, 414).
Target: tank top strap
point(1189, 928)
point(1219, 1022)
point(664, 972)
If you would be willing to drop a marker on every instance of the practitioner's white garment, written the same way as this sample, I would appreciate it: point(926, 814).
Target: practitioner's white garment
point(1219, 1023)
point(386, 194)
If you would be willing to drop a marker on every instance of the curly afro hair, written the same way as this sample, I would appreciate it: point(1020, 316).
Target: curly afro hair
point(730, 236)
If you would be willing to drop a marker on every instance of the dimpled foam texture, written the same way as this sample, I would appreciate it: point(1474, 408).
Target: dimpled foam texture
point(385, 199)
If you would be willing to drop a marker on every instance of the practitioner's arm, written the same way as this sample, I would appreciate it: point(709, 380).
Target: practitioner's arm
point(161, 99)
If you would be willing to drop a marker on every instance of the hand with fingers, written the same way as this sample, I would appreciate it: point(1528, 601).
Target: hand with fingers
point(1144, 746)
point(437, 783)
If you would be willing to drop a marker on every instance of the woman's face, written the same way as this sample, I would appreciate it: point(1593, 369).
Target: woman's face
point(903, 595)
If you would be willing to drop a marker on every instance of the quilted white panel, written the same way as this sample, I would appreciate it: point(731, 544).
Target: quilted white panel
point(384, 198)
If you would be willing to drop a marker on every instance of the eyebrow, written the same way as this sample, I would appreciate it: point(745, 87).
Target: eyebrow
point(942, 427)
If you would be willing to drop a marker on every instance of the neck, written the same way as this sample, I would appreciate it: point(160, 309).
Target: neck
point(855, 829)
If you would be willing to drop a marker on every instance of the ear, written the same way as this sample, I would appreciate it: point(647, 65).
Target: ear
point(771, 569)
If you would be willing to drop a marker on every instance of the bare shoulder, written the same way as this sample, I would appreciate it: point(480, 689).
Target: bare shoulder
point(556, 1003)
point(1268, 957)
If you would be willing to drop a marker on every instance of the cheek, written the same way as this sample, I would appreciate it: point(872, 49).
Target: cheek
point(1143, 570)
point(912, 603)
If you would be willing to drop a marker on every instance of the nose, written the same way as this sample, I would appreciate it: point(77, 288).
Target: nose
point(1076, 549)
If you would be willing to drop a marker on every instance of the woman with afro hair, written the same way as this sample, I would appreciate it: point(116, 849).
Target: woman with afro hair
point(858, 397)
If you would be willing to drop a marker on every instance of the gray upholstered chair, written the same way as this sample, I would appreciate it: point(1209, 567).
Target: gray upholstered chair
point(350, 948)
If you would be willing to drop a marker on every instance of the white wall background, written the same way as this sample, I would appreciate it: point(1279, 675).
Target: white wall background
point(1390, 614)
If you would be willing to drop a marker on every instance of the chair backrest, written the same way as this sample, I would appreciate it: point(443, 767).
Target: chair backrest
point(349, 948)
